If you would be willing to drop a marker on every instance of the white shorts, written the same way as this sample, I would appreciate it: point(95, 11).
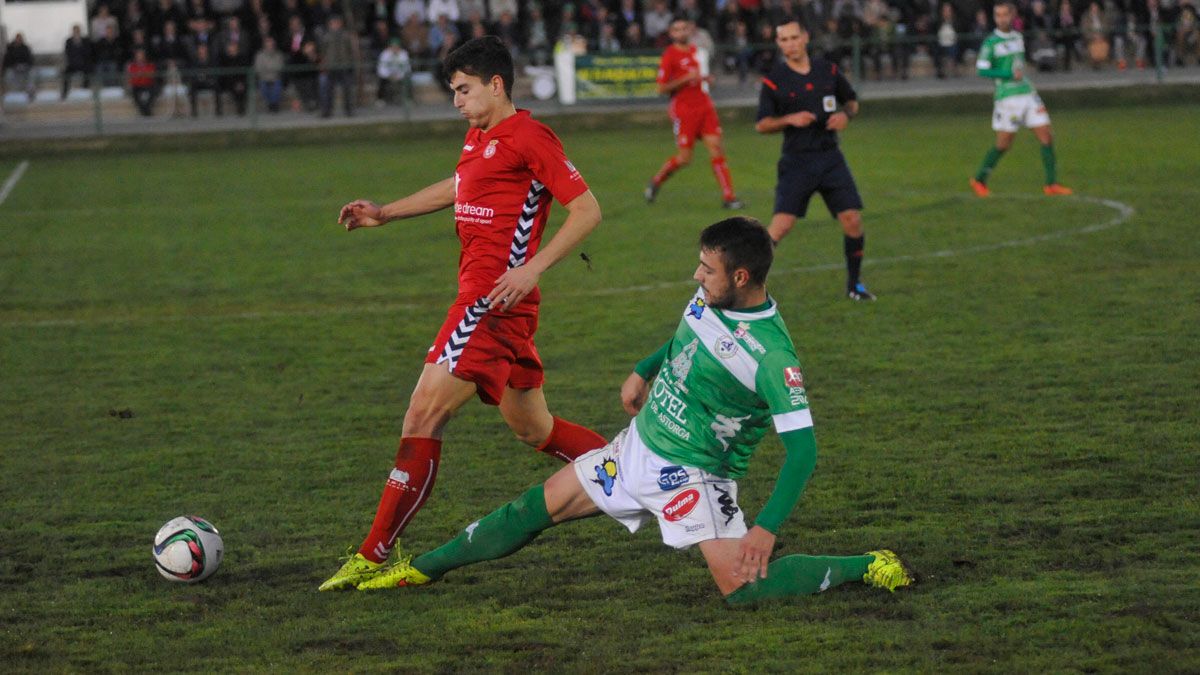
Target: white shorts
point(1023, 110)
point(631, 483)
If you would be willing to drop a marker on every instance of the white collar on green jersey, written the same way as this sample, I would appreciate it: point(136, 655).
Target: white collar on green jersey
point(766, 313)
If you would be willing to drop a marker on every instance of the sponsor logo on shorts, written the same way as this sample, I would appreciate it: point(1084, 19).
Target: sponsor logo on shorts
point(681, 505)
point(606, 475)
point(792, 377)
point(671, 477)
point(693, 528)
point(728, 508)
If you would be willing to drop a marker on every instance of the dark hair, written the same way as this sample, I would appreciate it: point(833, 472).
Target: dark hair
point(743, 244)
point(785, 19)
point(484, 57)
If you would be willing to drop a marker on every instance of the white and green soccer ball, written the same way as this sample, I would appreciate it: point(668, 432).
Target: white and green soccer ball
point(188, 549)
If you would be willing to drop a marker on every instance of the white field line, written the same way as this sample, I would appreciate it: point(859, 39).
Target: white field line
point(13, 178)
point(1123, 213)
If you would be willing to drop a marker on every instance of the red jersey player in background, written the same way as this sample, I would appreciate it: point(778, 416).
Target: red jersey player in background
point(692, 112)
point(510, 170)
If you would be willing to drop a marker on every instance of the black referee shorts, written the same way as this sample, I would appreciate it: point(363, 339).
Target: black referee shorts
point(825, 172)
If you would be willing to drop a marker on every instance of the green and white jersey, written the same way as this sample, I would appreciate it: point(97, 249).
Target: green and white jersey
point(999, 55)
point(727, 376)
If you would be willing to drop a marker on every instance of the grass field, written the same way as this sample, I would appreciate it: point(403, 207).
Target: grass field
point(1016, 415)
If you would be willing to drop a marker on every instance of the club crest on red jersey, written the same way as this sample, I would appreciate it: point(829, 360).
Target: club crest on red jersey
point(490, 150)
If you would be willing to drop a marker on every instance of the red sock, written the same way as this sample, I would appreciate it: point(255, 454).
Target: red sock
point(568, 441)
point(665, 172)
point(721, 171)
point(407, 488)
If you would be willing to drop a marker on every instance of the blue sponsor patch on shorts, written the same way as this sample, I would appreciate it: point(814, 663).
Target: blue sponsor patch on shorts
point(671, 477)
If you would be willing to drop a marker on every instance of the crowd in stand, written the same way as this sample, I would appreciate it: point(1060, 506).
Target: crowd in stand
point(313, 47)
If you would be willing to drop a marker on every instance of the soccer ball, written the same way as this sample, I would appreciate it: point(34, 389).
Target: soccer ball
point(188, 549)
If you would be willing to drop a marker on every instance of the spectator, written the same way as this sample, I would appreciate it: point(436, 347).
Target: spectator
point(537, 39)
point(877, 17)
point(440, 8)
point(1041, 51)
point(979, 30)
point(407, 9)
point(268, 69)
point(160, 14)
point(202, 78)
point(657, 21)
point(415, 36)
point(319, 14)
point(628, 15)
point(946, 52)
point(393, 69)
point(226, 8)
point(381, 37)
point(108, 56)
point(470, 10)
point(304, 76)
point(196, 10)
point(1187, 37)
point(337, 64)
point(233, 41)
point(440, 32)
point(18, 67)
point(506, 30)
point(608, 43)
point(137, 40)
point(202, 34)
point(77, 59)
point(143, 83)
point(232, 80)
point(170, 49)
point(1095, 28)
point(292, 8)
point(633, 36)
point(1067, 32)
point(688, 9)
point(134, 19)
point(379, 10)
point(102, 21)
point(297, 35)
point(497, 8)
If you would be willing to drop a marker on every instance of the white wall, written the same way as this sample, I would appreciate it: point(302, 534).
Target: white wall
point(46, 24)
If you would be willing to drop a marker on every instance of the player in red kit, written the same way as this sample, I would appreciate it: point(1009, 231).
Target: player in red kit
point(692, 112)
point(510, 170)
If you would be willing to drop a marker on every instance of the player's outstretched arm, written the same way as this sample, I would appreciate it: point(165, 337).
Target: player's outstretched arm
point(363, 213)
point(583, 215)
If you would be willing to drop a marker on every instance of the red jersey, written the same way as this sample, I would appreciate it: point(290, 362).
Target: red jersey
point(677, 62)
point(504, 184)
point(141, 74)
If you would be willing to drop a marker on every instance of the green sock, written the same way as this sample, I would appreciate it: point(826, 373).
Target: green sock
point(1048, 164)
point(501, 532)
point(989, 162)
point(802, 575)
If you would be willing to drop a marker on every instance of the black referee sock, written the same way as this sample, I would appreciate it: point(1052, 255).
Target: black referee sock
point(853, 247)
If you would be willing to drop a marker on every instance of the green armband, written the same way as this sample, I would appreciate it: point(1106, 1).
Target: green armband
point(648, 367)
point(801, 447)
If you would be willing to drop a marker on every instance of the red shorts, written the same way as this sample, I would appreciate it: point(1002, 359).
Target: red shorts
point(493, 351)
point(691, 123)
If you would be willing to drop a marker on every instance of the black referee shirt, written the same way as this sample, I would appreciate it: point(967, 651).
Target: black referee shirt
point(822, 92)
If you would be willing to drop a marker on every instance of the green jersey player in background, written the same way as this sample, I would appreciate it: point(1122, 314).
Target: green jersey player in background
point(1017, 104)
point(728, 374)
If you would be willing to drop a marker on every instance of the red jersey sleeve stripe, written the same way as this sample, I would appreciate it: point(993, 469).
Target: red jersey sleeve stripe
point(772, 85)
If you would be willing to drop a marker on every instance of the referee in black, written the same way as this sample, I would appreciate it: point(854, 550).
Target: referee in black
point(809, 100)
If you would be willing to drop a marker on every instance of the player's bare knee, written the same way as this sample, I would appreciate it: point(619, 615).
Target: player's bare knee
point(426, 418)
point(851, 223)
